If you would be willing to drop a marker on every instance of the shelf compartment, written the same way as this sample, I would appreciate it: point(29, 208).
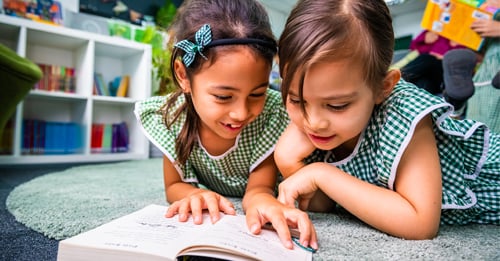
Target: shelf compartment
point(53, 124)
point(10, 35)
point(106, 112)
point(63, 51)
point(112, 62)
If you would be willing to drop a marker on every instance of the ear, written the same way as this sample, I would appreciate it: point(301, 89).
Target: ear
point(182, 77)
point(390, 80)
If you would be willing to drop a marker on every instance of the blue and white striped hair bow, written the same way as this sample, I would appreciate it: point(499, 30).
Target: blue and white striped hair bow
point(202, 38)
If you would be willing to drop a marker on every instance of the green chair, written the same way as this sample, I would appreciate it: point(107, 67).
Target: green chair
point(17, 77)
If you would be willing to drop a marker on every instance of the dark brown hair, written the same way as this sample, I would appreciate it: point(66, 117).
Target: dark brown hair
point(228, 19)
point(358, 31)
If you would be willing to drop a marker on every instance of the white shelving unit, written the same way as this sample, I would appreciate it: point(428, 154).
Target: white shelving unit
point(87, 53)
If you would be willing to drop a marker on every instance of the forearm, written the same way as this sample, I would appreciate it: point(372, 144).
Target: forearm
point(379, 207)
point(292, 148)
point(287, 163)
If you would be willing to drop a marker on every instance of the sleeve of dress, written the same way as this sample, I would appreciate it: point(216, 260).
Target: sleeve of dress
point(401, 112)
point(153, 127)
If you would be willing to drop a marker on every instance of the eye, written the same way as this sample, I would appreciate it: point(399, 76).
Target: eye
point(257, 95)
point(222, 97)
point(337, 107)
point(293, 100)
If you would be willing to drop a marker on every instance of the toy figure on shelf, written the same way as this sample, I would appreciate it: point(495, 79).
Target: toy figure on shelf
point(46, 11)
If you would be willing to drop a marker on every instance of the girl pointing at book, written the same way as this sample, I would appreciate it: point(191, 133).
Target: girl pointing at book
point(219, 129)
point(381, 148)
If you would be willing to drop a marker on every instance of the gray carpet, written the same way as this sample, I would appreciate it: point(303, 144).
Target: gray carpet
point(65, 203)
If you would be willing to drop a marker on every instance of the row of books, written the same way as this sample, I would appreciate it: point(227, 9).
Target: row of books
point(46, 137)
point(109, 138)
point(118, 87)
point(56, 78)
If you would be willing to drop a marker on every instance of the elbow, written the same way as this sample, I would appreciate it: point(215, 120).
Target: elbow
point(423, 232)
point(423, 235)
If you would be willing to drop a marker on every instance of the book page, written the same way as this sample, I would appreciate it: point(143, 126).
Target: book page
point(144, 231)
point(231, 233)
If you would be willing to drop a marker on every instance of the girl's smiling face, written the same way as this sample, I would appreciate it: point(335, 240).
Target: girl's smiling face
point(228, 94)
point(338, 104)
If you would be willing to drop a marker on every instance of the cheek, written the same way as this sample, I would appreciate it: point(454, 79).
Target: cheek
point(295, 114)
point(257, 107)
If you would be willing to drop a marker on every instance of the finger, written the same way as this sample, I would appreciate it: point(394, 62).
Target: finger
point(213, 207)
point(254, 223)
point(172, 210)
point(284, 198)
point(183, 209)
point(196, 203)
point(307, 231)
point(280, 225)
point(227, 206)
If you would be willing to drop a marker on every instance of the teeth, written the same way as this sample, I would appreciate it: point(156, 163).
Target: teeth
point(234, 126)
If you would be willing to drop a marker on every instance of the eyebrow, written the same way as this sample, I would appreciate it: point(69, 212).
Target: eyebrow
point(232, 88)
point(332, 97)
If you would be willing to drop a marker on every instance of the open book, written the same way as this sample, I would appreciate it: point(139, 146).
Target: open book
point(453, 18)
point(147, 235)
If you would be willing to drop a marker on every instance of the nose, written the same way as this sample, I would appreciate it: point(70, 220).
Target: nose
point(239, 112)
point(316, 121)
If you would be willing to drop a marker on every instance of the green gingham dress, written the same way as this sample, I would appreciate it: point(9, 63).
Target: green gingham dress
point(469, 154)
point(228, 173)
point(484, 105)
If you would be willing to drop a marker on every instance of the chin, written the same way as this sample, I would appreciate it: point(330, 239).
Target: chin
point(324, 146)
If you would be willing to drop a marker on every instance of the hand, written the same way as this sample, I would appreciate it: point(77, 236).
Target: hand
point(197, 202)
point(299, 187)
point(486, 28)
point(292, 148)
point(431, 37)
point(283, 218)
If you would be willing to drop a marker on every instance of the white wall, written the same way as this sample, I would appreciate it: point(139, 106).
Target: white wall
point(71, 5)
point(278, 20)
point(407, 24)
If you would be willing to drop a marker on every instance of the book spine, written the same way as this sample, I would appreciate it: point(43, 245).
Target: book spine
point(107, 138)
point(123, 87)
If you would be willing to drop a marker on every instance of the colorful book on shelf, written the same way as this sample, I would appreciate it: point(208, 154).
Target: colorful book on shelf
point(109, 137)
point(96, 137)
point(123, 87)
point(147, 235)
point(453, 18)
point(45, 137)
point(123, 137)
point(56, 78)
point(101, 86)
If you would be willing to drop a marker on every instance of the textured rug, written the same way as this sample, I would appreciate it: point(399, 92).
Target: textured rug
point(63, 204)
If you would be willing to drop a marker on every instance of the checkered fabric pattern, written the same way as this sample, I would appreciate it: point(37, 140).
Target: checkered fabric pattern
point(469, 154)
point(226, 174)
point(484, 105)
